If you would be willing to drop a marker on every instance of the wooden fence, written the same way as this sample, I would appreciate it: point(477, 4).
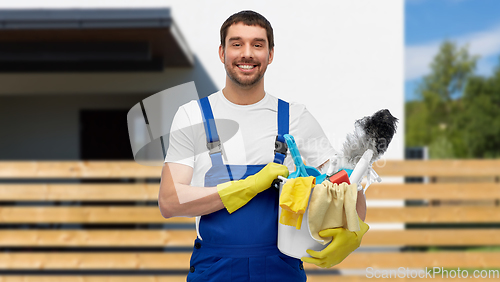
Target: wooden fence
point(99, 221)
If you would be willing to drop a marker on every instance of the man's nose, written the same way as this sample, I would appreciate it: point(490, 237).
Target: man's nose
point(247, 51)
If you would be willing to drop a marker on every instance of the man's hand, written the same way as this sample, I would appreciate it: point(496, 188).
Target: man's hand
point(343, 243)
point(235, 194)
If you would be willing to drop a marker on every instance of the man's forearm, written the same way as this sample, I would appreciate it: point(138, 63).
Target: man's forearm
point(178, 199)
point(205, 200)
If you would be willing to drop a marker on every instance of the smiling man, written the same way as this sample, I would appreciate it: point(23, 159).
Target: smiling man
point(228, 187)
point(245, 56)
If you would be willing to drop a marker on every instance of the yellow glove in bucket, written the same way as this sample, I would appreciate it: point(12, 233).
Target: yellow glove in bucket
point(235, 194)
point(344, 242)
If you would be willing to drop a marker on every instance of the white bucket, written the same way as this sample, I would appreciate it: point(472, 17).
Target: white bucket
point(294, 242)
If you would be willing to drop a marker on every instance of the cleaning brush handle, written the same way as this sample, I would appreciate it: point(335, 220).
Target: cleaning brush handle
point(282, 179)
point(278, 181)
point(361, 168)
point(294, 152)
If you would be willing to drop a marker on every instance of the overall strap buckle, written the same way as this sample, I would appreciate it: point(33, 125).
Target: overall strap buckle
point(280, 147)
point(214, 147)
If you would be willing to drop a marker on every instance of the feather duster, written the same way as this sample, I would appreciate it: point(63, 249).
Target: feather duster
point(371, 132)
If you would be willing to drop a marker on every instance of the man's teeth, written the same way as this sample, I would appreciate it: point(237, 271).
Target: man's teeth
point(247, 67)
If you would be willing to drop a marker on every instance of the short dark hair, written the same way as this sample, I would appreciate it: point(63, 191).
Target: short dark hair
point(248, 18)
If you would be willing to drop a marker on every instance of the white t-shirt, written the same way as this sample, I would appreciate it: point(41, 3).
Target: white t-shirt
point(247, 138)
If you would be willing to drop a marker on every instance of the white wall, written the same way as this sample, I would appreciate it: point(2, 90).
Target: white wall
point(343, 59)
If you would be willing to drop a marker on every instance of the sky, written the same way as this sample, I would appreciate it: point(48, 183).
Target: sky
point(429, 22)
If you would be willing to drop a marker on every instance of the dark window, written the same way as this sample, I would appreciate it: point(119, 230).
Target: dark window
point(104, 135)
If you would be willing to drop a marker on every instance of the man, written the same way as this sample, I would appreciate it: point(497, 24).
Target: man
point(227, 187)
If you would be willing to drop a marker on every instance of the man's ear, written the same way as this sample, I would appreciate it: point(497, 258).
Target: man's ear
point(221, 53)
point(271, 55)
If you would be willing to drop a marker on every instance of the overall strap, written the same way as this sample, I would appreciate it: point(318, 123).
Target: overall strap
point(280, 146)
point(213, 141)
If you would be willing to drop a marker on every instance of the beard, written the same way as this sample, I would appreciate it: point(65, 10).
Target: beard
point(244, 80)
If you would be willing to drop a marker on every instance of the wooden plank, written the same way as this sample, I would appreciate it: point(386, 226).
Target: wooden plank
point(87, 214)
point(98, 238)
point(439, 214)
point(141, 214)
point(441, 191)
point(360, 260)
point(92, 278)
point(342, 278)
point(89, 278)
point(144, 192)
point(185, 238)
point(149, 192)
point(176, 261)
point(164, 261)
point(77, 169)
point(79, 192)
point(130, 169)
point(182, 278)
point(432, 237)
point(438, 167)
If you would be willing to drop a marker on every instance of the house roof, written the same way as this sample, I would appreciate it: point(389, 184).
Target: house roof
point(91, 40)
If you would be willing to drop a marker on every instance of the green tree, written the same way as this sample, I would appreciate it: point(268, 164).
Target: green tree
point(479, 118)
point(430, 120)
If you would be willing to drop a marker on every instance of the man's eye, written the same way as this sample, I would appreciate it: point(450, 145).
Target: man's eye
point(258, 45)
point(237, 44)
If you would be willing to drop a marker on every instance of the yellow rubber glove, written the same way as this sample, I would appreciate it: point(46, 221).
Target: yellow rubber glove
point(235, 194)
point(344, 242)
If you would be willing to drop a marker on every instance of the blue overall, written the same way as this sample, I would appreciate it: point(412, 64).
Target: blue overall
point(241, 246)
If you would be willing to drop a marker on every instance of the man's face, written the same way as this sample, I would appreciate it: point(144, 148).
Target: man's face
point(246, 55)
